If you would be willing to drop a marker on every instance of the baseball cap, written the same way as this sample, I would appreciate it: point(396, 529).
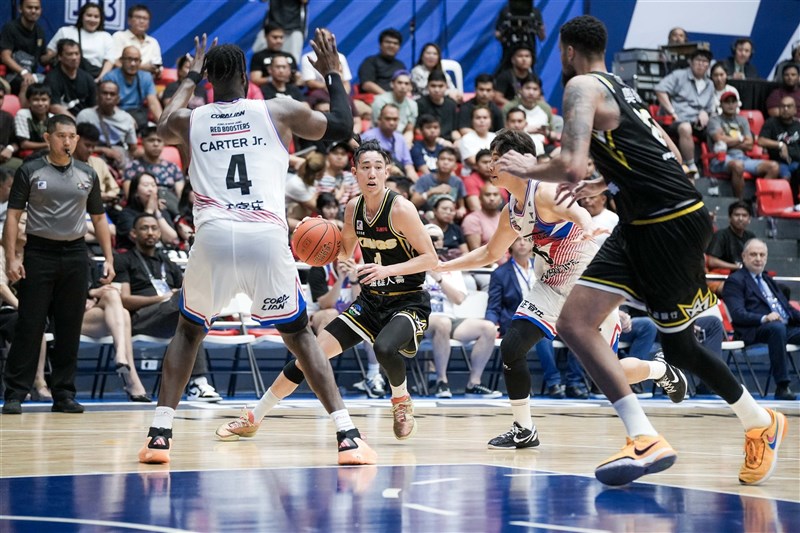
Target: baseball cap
point(728, 94)
point(400, 72)
point(434, 231)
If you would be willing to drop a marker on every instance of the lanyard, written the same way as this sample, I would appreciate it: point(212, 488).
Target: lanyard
point(147, 268)
point(521, 274)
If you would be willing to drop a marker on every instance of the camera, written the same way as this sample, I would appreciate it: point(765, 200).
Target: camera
point(521, 26)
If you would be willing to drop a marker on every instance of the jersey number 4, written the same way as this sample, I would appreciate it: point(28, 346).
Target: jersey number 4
point(237, 174)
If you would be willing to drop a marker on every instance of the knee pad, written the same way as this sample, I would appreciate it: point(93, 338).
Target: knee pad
point(513, 347)
point(294, 374)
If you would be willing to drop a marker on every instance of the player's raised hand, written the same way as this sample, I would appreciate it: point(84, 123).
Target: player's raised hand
point(200, 43)
point(324, 46)
point(515, 163)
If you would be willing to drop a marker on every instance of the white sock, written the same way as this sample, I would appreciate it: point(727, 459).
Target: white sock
point(399, 391)
point(163, 417)
point(658, 369)
point(750, 414)
point(522, 412)
point(636, 422)
point(342, 420)
point(265, 405)
point(373, 369)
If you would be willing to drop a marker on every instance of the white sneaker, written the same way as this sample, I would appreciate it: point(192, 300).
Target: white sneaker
point(201, 391)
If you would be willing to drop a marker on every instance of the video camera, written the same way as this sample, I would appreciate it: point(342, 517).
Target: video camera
point(521, 26)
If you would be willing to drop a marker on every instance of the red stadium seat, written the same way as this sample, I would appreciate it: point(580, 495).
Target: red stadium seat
point(11, 104)
point(755, 119)
point(168, 75)
point(172, 155)
point(774, 199)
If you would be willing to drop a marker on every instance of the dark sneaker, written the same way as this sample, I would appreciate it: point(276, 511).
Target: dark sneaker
point(577, 392)
point(12, 407)
point(479, 391)
point(67, 405)
point(442, 390)
point(555, 391)
point(353, 450)
point(156, 448)
point(517, 437)
point(673, 381)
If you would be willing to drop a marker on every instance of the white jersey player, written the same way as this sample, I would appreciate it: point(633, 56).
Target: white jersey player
point(238, 171)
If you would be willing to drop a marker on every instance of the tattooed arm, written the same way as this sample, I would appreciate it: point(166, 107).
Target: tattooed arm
point(587, 105)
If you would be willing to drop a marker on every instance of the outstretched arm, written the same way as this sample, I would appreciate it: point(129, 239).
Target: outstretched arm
point(489, 252)
point(173, 124)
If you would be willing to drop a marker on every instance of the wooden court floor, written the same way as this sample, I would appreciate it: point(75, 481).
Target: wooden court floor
point(62, 472)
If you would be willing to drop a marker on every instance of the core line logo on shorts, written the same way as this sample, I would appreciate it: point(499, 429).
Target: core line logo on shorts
point(274, 304)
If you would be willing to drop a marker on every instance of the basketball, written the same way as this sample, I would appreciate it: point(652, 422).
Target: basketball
point(316, 241)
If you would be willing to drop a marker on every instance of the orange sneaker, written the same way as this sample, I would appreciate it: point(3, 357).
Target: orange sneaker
point(761, 450)
point(405, 425)
point(353, 450)
point(641, 455)
point(244, 426)
point(156, 448)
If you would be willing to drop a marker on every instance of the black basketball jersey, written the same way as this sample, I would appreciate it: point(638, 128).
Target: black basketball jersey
point(383, 245)
point(640, 170)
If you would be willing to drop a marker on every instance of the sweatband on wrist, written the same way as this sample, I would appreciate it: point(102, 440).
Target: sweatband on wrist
point(196, 77)
point(340, 117)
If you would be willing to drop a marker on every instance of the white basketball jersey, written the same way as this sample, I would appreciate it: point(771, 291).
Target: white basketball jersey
point(561, 260)
point(239, 163)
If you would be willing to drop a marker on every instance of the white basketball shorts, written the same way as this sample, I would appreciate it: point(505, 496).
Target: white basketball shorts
point(231, 257)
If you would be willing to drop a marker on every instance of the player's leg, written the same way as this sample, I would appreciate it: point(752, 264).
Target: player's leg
point(521, 336)
point(175, 373)
point(396, 335)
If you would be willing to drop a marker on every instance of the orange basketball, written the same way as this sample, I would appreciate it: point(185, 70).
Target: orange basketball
point(316, 241)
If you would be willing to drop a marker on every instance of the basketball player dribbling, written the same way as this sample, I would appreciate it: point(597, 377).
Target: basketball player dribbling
point(392, 308)
point(238, 172)
point(654, 257)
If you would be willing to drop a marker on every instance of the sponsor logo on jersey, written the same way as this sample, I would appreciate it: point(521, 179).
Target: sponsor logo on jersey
point(275, 304)
point(377, 244)
point(559, 269)
point(228, 115)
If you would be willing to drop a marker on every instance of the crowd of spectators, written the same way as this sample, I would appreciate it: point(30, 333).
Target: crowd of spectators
point(438, 133)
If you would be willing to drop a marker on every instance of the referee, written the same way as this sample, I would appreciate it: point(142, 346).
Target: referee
point(57, 191)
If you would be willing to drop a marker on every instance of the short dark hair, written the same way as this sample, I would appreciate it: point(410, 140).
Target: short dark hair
point(426, 119)
point(63, 43)
point(478, 107)
point(389, 104)
point(55, 120)
point(507, 140)
point(37, 89)
point(390, 32)
point(437, 75)
point(447, 150)
point(325, 199)
point(484, 78)
point(141, 216)
point(402, 182)
point(371, 146)
point(147, 131)
point(4, 175)
point(88, 132)
point(139, 7)
point(515, 110)
point(586, 34)
point(112, 82)
point(791, 65)
point(270, 27)
point(738, 204)
point(483, 152)
point(531, 78)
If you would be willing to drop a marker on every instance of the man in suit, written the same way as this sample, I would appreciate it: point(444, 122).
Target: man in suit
point(761, 313)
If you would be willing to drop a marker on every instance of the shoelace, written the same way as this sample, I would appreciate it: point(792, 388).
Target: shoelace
point(400, 410)
point(515, 430)
point(753, 452)
point(666, 384)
